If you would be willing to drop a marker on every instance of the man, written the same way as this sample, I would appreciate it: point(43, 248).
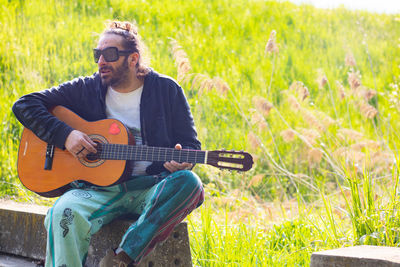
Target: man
point(156, 111)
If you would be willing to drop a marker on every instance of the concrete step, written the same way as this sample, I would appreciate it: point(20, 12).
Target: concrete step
point(362, 256)
point(14, 261)
point(22, 234)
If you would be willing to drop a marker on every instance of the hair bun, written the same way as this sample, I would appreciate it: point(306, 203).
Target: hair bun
point(123, 25)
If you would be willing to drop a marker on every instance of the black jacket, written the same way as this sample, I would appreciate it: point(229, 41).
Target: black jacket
point(164, 112)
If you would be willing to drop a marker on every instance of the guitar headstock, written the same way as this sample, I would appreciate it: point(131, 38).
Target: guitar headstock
point(231, 160)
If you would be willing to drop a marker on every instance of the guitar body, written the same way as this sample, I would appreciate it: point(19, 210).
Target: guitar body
point(65, 168)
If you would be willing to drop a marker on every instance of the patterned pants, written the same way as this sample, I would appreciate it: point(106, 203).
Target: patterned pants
point(80, 213)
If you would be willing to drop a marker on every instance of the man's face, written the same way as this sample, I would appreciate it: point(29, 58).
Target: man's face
point(112, 73)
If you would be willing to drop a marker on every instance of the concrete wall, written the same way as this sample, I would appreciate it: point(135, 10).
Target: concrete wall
point(22, 233)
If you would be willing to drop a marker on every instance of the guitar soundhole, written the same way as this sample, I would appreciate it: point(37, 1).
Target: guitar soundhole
point(91, 157)
point(92, 160)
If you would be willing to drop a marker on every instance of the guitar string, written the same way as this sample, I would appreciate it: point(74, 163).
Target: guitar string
point(119, 151)
point(145, 154)
point(122, 152)
point(113, 150)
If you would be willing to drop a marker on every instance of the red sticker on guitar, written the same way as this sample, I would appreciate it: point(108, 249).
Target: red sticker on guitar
point(114, 129)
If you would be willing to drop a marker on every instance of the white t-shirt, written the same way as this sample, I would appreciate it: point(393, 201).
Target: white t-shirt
point(125, 107)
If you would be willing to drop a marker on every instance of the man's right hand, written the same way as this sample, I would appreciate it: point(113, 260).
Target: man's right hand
point(79, 144)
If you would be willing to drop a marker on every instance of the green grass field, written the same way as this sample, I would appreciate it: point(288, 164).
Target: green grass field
point(313, 94)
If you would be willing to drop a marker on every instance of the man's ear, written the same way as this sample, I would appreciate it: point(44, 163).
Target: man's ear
point(134, 59)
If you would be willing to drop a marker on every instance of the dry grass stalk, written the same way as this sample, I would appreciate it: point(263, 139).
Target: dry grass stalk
point(254, 141)
point(294, 103)
point(314, 157)
point(350, 60)
point(198, 80)
point(367, 110)
point(349, 134)
point(313, 121)
point(310, 135)
point(371, 144)
point(382, 158)
point(187, 78)
point(201, 82)
point(300, 90)
point(368, 144)
point(262, 105)
point(288, 135)
point(325, 119)
point(321, 80)
point(206, 84)
point(356, 157)
point(342, 91)
point(221, 86)
point(256, 180)
point(358, 146)
point(262, 126)
point(271, 46)
point(354, 79)
point(365, 93)
point(256, 118)
point(351, 157)
point(381, 170)
point(181, 60)
point(340, 152)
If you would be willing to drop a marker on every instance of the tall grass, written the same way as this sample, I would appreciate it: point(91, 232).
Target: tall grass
point(312, 94)
point(236, 229)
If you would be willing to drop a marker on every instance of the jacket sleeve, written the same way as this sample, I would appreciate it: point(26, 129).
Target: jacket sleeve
point(32, 110)
point(184, 130)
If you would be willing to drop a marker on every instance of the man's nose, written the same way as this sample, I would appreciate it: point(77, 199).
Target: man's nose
point(101, 61)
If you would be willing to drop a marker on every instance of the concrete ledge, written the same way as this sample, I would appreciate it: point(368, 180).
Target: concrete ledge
point(22, 233)
point(14, 261)
point(365, 256)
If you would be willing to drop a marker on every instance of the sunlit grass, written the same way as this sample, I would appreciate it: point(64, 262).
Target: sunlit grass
point(317, 105)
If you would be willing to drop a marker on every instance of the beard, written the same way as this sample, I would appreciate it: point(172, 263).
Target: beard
point(115, 76)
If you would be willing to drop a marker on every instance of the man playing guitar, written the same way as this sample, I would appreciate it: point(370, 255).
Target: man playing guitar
point(156, 111)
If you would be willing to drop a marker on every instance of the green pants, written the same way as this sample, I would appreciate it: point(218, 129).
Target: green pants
point(79, 213)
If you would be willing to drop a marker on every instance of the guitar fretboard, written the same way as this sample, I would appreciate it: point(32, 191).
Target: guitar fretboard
point(148, 153)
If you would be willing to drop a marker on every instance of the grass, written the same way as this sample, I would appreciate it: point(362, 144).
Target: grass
point(318, 107)
point(236, 229)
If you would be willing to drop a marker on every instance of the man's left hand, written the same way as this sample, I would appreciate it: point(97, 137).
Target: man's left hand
point(174, 166)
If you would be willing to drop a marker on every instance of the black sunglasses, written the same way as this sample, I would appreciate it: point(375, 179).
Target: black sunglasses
point(110, 54)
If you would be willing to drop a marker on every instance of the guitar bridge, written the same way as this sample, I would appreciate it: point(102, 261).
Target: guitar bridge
point(48, 164)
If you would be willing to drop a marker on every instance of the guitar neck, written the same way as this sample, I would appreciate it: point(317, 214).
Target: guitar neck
point(148, 153)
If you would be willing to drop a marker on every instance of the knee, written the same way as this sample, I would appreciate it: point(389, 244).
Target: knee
point(192, 183)
point(190, 180)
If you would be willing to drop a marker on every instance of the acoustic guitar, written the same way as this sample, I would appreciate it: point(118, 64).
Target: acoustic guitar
point(49, 171)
